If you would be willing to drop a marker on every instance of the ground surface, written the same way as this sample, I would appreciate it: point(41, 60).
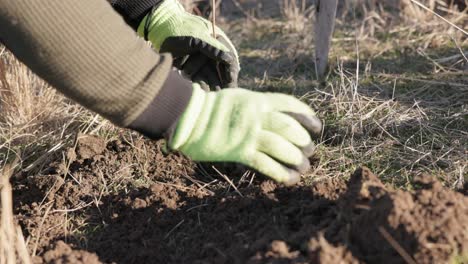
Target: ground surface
point(179, 221)
point(394, 102)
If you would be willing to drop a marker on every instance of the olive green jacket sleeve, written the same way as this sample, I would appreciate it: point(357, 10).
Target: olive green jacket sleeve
point(85, 50)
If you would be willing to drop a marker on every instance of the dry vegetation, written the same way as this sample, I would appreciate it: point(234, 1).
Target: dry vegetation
point(395, 99)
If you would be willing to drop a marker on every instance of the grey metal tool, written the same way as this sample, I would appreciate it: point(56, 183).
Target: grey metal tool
point(324, 26)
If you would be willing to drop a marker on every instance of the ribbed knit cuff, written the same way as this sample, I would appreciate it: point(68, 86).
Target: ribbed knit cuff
point(165, 109)
point(133, 11)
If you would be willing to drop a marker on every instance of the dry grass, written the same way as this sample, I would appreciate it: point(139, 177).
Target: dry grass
point(392, 101)
point(35, 120)
point(36, 125)
point(395, 99)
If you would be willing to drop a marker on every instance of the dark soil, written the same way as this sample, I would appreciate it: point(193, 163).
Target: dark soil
point(126, 202)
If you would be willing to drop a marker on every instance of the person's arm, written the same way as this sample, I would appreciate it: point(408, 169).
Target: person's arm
point(86, 51)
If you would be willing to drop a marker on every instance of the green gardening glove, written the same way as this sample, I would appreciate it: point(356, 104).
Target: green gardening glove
point(209, 61)
point(268, 132)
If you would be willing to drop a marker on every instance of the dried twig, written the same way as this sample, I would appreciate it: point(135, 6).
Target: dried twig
point(213, 24)
point(39, 230)
point(213, 17)
point(174, 228)
point(12, 245)
point(439, 16)
point(229, 181)
point(23, 253)
point(396, 246)
point(7, 246)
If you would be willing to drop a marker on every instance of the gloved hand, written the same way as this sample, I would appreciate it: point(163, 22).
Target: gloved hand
point(268, 132)
point(212, 62)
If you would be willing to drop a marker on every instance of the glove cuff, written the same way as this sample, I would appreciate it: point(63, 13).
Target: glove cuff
point(134, 11)
point(165, 11)
point(165, 109)
point(183, 129)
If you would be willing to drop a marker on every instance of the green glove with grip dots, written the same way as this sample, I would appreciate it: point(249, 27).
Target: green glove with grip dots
point(211, 62)
point(268, 132)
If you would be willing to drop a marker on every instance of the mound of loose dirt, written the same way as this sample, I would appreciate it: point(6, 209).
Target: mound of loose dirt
point(177, 220)
point(62, 253)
